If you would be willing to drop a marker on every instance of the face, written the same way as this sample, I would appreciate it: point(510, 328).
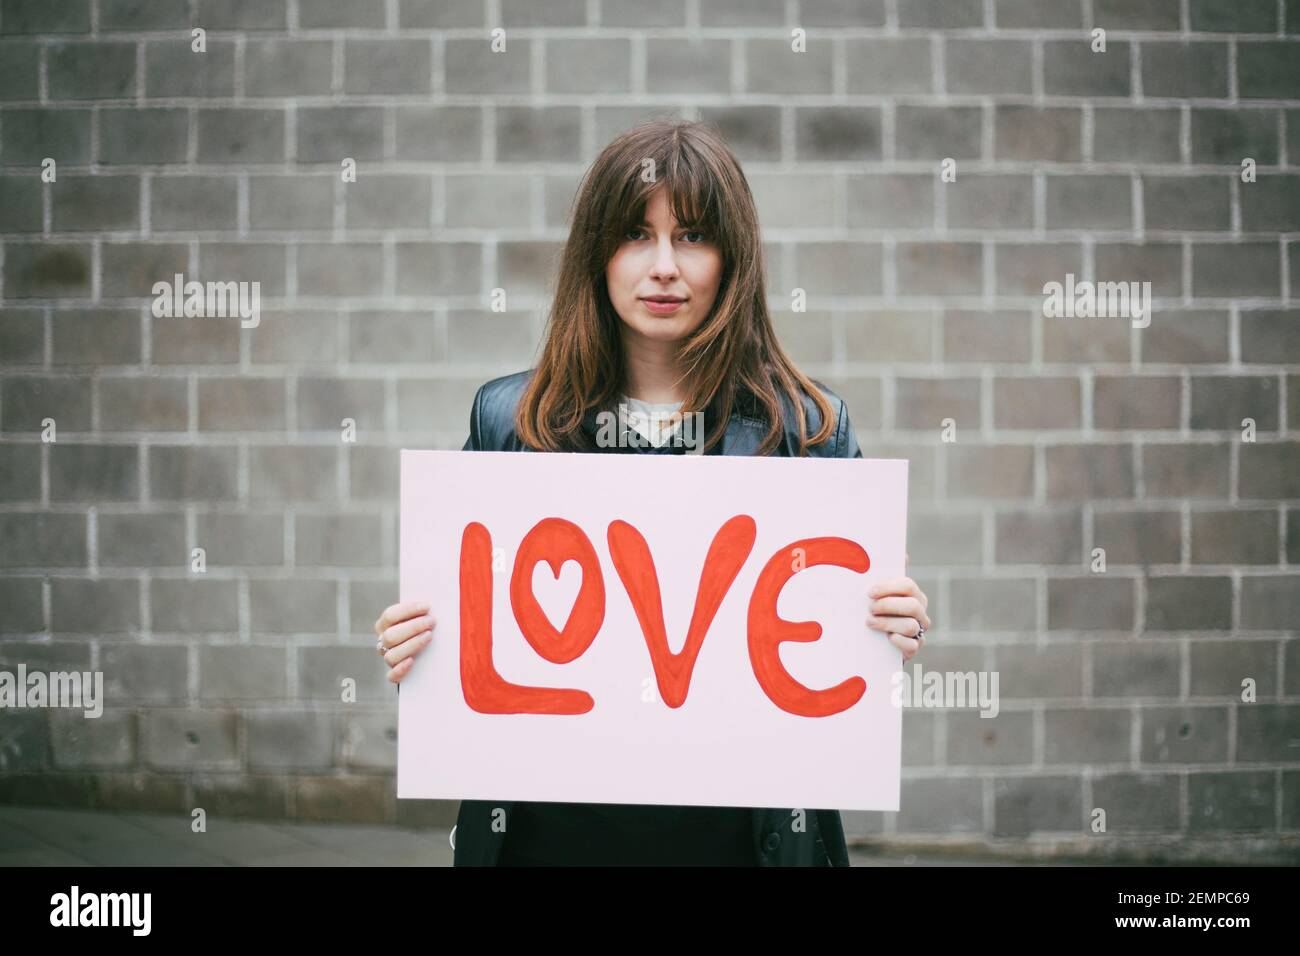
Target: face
point(661, 261)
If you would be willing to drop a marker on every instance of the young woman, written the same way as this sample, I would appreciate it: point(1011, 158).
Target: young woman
point(660, 305)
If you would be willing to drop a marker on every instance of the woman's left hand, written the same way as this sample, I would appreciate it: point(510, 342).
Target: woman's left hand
point(898, 610)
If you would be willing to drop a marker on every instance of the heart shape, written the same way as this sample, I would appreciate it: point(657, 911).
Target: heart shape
point(557, 593)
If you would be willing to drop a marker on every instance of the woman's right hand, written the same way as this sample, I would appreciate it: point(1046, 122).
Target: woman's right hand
point(403, 630)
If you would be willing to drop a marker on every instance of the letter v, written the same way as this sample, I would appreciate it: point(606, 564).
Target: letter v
point(636, 568)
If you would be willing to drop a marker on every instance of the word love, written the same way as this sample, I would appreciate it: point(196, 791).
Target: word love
point(555, 541)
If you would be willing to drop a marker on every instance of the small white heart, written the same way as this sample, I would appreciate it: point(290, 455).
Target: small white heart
point(556, 596)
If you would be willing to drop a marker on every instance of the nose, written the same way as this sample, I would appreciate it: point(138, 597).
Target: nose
point(665, 264)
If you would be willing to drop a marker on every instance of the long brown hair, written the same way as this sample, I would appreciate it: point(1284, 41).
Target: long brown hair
point(733, 356)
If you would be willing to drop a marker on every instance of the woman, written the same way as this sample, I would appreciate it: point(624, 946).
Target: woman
point(659, 306)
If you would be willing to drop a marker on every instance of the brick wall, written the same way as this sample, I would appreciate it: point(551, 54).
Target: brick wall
point(1122, 688)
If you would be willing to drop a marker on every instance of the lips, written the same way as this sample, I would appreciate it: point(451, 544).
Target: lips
point(662, 298)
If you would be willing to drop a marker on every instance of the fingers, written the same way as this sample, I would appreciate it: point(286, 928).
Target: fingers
point(400, 633)
point(900, 587)
point(395, 674)
point(396, 613)
point(408, 649)
point(908, 645)
point(906, 626)
point(901, 607)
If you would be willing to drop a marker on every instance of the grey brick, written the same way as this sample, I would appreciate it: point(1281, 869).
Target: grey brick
point(1036, 403)
point(799, 73)
point(1138, 802)
point(1268, 335)
point(1097, 603)
point(994, 471)
point(94, 606)
point(1269, 471)
point(561, 13)
point(19, 69)
point(194, 604)
point(145, 135)
point(1145, 402)
point(690, 66)
point(1185, 471)
point(1268, 732)
point(1231, 801)
point(1024, 268)
point(292, 474)
point(1234, 537)
point(1222, 402)
point(141, 540)
point(988, 66)
point(242, 404)
point(1086, 736)
point(1071, 340)
point(1037, 14)
point(1218, 668)
point(1151, 15)
point(325, 14)
point(1236, 269)
point(180, 472)
point(838, 268)
point(291, 606)
point(939, 268)
point(1270, 603)
point(891, 201)
point(136, 673)
point(441, 13)
point(1187, 203)
point(439, 133)
point(328, 134)
point(590, 65)
point(387, 66)
point(990, 201)
point(490, 336)
point(105, 742)
point(1186, 337)
point(1187, 603)
point(324, 402)
point(171, 69)
point(942, 539)
point(241, 795)
point(925, 403)
point(339, 541)
point(29, 399)
point(1028, 671)
point(372, 477)
point(1039, 537)
point(752, 132)
point(1089, 471)
point(523, 268)
point(1094, 202)
point(97, 203)
point(883, 66)
point(287, 67)
point(42, 540)
point(399, 201)
point(391, 337)
point(49, 270)
point(238, 135)
point(242, 672)
point(33, 134)
point(136, 15)
point(1071, 68)
point(130, 269)
point(1146, 135)
point(240, 540)
point(533, 134)
point(143, 404)
point(368, 741)
point(242, 262)
point(1026, 805)
point(1268, 69)
point(191, 739)
point(837, 133)
point(240, 15)
point(472, 67)
point(22, 335)
point(1224, 16)
point(33, 16)
point(321, 671)
point(938, 132)
point(982, 337)
point(1176, 68)
point(93, 472)
point(1138, 537)
point(340, 269)
point(284, 203)
point(302, 337)
point(1004, 740)
point(941, 13)
point(1270, 205)
point(94, 70)
point(1160, 263)
point(290, 740)
point(20, 472)
point(189, 203)
point(891, 336)
point(1227, 136)
point(1134, 669)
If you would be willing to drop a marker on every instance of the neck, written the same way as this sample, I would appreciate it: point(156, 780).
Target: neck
point(653, 373)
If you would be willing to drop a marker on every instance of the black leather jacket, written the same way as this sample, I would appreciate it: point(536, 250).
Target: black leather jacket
point(819, 839)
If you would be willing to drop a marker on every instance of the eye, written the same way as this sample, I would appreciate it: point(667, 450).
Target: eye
point(632, 233)
point(696, 232)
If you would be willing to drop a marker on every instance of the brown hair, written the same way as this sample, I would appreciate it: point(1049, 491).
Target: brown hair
point(732, 356)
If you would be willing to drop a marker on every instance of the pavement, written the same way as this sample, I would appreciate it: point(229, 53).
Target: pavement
point(35, 836)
